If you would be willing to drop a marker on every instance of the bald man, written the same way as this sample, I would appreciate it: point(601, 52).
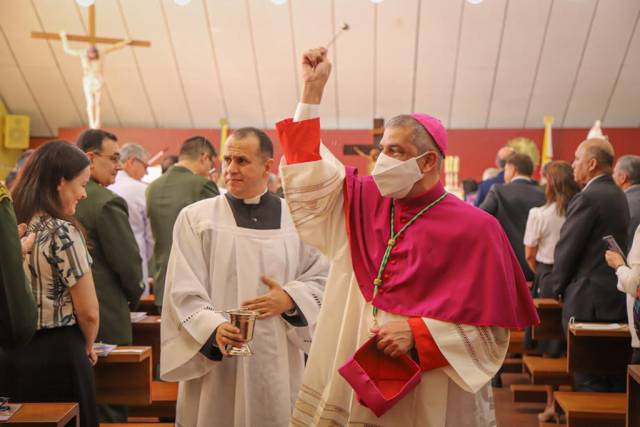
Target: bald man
point(487, 184)
point(580, 273)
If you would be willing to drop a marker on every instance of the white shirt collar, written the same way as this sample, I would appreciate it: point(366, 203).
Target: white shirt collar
point(521, 178)
point(254, 200)
point(591, 180)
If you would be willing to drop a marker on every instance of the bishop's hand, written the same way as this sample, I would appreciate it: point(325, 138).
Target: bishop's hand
point(316, 69)
point(273, 303)
point(395, 338)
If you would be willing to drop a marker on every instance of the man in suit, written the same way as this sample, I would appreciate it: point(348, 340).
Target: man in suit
point(117, 266)
point(580, 272)
point(17, 307)
point(487, 184)
point(184, 183)
point(627, 176)
point(510, 203)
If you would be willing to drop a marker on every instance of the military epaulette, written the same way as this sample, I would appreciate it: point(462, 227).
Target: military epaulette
point(4, 193)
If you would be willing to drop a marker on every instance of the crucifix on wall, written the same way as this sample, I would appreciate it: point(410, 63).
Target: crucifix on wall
point(91, 59)
point(368, 151)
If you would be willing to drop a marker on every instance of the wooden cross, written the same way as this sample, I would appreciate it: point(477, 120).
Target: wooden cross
point(91, 38)
point(378, 130)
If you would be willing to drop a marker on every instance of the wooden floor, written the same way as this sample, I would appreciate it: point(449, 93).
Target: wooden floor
point(509, 413)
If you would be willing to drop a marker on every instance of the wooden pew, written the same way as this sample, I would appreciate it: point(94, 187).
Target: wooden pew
point(598, 352)
point(633, 396)
point(547, 371)
point(124, 377)
point(146, 332)
point(163, 405)
point(516, 342)
point(592, 409)
point(550, 313)
point(46, 415)
point(147, 305)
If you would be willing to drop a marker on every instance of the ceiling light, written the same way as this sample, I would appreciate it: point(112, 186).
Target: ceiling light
point(377, 1)
point(85, 3)
point(278, 2)
point(182, 2)
point(474, 1)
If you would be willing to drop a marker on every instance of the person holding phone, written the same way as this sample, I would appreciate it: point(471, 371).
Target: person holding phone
point(628, 282)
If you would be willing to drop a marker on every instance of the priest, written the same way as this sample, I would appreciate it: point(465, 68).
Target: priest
point(429, 280)
point(232, 251)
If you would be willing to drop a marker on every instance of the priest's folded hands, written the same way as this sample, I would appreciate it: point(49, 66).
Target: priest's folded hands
point(274, 303)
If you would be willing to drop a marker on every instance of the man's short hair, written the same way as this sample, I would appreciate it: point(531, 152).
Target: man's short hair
point(420, 138)
point(91, 139)
point(193, 147)
point(133, 150)
point(630, 166)
point(602, 156)
point(522, 163)
point(266, 146)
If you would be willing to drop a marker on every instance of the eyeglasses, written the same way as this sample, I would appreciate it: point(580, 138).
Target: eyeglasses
point(115, 158)
point(142, 162)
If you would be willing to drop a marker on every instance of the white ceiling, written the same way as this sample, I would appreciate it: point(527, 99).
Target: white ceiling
point(503, 63)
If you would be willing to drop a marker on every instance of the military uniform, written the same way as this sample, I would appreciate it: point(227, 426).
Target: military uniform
point(17, 308)
point(117, 271)
point(166, 196)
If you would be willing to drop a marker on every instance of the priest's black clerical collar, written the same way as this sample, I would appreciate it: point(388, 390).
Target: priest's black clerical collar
point(262, 212)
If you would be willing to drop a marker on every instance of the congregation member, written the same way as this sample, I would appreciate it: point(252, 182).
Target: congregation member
point(17, 307)
point(167, 162)
point(117, 265)
point(13, 174)
point(392, 293)
point(511, 202)
point(56, 365)
point(540, 238)
point(580, 273)
point(130, 187)
point(626, 175)
point(628, 274)
point(232, 251)
point(184, 183)
point(487, 183)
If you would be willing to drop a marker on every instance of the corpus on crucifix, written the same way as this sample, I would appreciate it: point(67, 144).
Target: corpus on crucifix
point(92, 62)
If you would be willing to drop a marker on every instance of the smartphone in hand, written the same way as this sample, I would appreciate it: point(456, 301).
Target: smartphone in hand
point(613, 245)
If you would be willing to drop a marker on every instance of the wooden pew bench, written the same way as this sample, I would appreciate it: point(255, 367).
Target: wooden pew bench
point(46, 415)
point(547, 371)
point(592, 409)
point(147, 304)
point(599, 352)
point(124, 377)
point(516, 342)
point(550, 313)
point(146, 332)
point(633, 396)
point(163, 402)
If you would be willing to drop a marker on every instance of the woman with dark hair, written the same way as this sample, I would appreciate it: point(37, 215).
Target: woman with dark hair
point(540, 239)
point(57, 364)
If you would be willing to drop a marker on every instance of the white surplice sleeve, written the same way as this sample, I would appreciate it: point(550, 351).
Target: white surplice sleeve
point(306, 291)
point(188, 315)
point(474, 353)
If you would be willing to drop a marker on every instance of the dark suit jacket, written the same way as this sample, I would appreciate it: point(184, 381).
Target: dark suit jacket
point(486, 185)
point(166, 196)
point(18, 314)
point(633, 198)
point(510, 204)
point(117, 266)
point(580, 272)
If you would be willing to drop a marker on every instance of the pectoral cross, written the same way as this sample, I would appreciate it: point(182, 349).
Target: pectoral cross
point(91, 58)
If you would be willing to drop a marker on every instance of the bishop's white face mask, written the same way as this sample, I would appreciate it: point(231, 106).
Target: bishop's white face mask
point(394, 177)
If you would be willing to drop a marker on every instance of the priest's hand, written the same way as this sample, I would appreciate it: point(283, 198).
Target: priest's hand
point(227, 334)
point(395, 338)
point(273, 303)
point(316, 69)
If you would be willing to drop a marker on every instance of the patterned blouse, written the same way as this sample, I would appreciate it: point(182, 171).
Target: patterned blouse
point(59, 259)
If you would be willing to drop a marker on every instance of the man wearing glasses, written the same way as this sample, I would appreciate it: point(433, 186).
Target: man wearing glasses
point(183, 184)
point(130, 187)
point(117, 266)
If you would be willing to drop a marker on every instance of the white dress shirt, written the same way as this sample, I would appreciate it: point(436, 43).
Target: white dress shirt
point(628, 282)
point(133, 192)
point(543, 231)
